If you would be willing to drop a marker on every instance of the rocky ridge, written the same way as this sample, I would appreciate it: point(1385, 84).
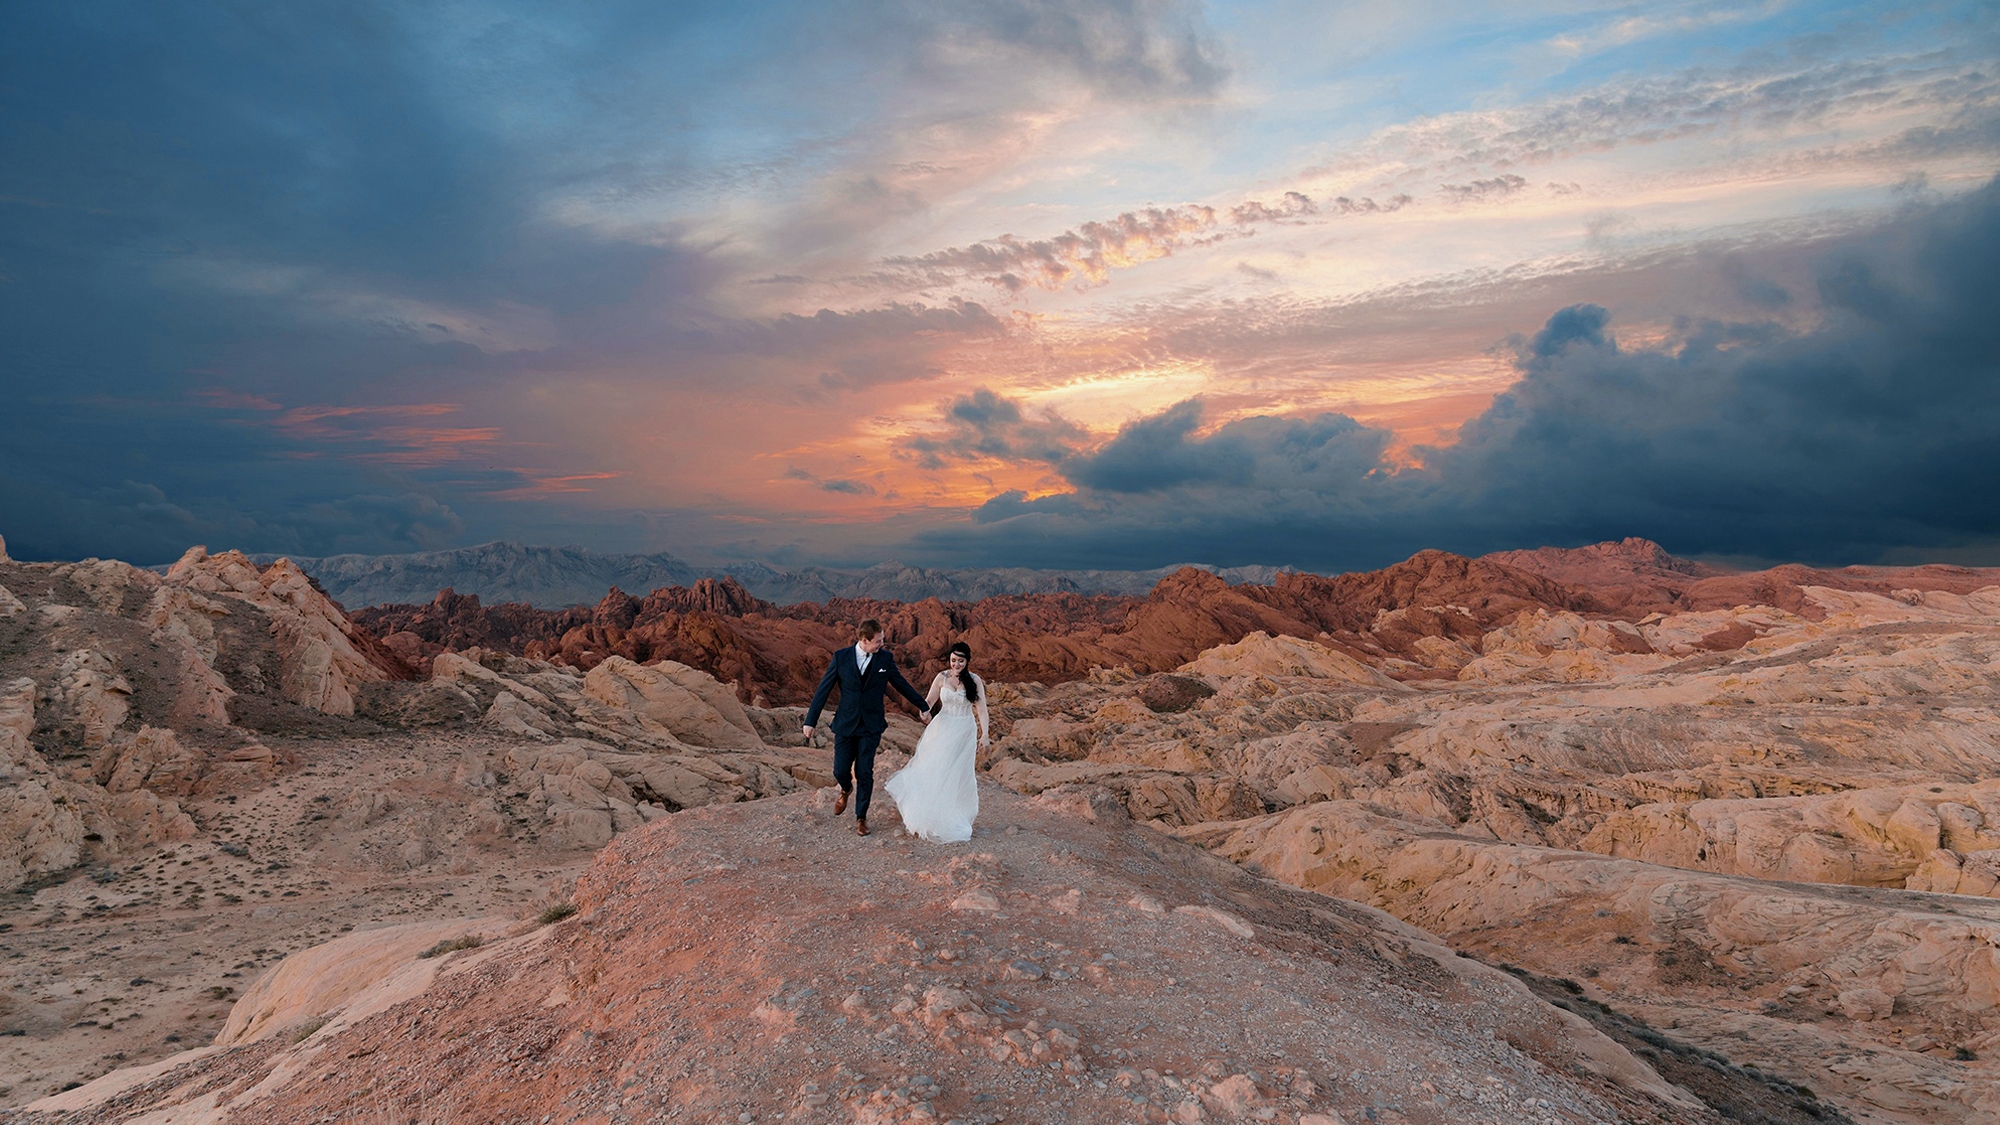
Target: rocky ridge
point(742, 963)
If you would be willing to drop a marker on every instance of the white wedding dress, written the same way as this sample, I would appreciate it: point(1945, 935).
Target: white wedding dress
point(936, 793)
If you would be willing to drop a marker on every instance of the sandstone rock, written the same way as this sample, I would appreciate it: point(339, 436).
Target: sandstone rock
point(37, 834)
point(183, 623)
point(1963, 828)
point(1943, 965)
point(152, 759)
point(712, 692)
point(17, 725)
point(656, 695)
point(1867, 1004)
point(181, 614)
point(10, 606)
point(454, 667)
point(3, 549)
point(976, 901)
point(326, 979)
point(1261, 654)
point(1561, 647)
point(1057, 739)
point(105, 581)
point(1236, 1096)
point(322, 657)
point(513, 715)
point(1221, 919)
point(98, 698)
point(1948, 872)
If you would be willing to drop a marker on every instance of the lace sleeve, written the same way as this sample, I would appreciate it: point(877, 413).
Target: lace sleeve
point(937, 689)
point(983, 727)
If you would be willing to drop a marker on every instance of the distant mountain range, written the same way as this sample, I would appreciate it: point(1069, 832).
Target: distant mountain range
point(554, 577)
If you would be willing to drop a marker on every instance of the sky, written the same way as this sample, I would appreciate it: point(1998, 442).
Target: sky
point(1050, 283)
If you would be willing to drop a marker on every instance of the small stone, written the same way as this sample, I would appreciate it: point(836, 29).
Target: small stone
point(1025, 970)
point(1220, 918)
point(1146, 904)
point(1237, 1095)
point(976, 902)
point(1864, 1004)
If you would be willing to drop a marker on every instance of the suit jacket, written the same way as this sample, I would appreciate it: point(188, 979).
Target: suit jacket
point(861, 694)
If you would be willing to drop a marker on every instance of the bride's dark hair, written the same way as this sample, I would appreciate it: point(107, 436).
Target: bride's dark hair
point(965, 676)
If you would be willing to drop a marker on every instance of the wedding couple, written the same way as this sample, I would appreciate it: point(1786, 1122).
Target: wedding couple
point(935, 793)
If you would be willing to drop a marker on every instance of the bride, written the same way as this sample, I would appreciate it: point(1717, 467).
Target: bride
point(936, 793)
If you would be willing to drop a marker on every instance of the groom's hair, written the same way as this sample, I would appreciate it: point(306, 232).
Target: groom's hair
point(868, 630)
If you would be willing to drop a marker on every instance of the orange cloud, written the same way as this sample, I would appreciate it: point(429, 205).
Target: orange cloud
point(537, 486)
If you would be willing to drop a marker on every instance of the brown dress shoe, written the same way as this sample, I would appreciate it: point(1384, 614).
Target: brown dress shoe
point(860, 827)
point(840, 805)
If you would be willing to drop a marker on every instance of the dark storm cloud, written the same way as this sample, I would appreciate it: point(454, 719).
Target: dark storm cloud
point(1876, 431)
point(1328, 454)
point(987, 425)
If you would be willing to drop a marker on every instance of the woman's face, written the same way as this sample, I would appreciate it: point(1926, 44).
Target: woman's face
point(958, 662)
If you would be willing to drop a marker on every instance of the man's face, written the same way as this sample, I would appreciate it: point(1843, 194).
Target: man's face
point(872, 644)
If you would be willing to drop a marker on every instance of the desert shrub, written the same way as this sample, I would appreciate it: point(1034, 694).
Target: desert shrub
point(469, 941)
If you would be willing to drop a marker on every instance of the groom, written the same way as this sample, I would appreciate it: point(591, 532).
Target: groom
point(863, 672)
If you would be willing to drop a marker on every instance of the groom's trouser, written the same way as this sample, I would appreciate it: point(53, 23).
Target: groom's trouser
point(854, 767)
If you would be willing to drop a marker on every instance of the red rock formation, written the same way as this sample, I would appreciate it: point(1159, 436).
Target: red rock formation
point(776, 653)
point(1635, 577)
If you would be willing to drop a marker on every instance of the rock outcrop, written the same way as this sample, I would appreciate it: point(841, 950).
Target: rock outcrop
point(717, 970)
point(322, 656)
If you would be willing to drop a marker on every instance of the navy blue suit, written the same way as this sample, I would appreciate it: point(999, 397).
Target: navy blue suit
point(859, 721)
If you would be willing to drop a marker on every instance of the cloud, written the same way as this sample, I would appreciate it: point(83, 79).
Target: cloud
point(1326, 453)
point(1150, 49)
point(1872, 432)
point(831, 484)
point(412, 518)
point(987, 426)
point(1760, 108)
point(1083, 256)
point(1294, 205)
point(1479, 191)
